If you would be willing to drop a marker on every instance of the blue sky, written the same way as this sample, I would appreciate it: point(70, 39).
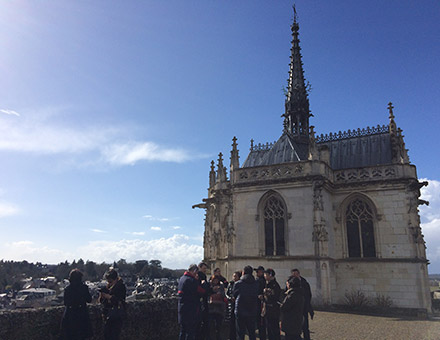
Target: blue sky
point(110, 111)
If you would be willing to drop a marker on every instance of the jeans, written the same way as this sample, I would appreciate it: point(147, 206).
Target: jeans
point(245, 323)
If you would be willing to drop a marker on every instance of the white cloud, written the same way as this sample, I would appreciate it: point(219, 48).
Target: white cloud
point(132, 152)
point(98, 231)
point(174, 252)
point(160, 219)
point(10, 112)
point(136, 233)
point(156, 228)
point(430, 218)
point(29, 251)
point(46, 133)
point(175, 227)
point(7, 209)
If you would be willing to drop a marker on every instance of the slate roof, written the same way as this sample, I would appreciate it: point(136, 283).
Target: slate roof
point(345, 153)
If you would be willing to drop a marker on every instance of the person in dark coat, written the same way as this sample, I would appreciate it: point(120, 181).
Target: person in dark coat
point(261, 324)
point(203, 326)
point(292, 310)
point(113, 300)
point(218, 273)
point(271, 307)
point(231, 300)
point(217, 305)
point(76, 322)
point(189, 293)
point(307, 293)
point(245, 293)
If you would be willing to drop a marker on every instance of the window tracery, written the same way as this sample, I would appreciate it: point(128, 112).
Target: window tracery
point(359, 219)
point(274, 226)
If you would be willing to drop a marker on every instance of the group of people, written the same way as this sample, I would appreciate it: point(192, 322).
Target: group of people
point(255, 303)
point(76, 323)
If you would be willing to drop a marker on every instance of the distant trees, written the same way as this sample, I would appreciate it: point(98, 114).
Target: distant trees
point(12, 273)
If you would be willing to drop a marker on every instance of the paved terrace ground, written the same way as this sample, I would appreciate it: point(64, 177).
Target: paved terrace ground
point(342, 326)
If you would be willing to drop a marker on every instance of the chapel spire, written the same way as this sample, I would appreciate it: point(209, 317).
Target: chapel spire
point(297, 112)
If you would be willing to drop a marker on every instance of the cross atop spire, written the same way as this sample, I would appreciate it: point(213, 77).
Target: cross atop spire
point(392, 124)
point(297, 112)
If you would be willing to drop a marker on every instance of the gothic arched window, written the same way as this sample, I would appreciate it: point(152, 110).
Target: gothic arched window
point(274, 224)
point(360, 229)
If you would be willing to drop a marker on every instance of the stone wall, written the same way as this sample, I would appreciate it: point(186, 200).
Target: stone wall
point(154, 319)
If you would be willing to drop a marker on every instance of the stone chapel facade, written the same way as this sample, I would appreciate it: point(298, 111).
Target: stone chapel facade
point(343, 207)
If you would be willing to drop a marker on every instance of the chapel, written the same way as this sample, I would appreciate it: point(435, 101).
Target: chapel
point(341, 207)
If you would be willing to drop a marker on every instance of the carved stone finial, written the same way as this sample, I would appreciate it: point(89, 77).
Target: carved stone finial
point(212, 175)
point(312, 132)
point(390, 109)
point(235, 164)
point(252, 145)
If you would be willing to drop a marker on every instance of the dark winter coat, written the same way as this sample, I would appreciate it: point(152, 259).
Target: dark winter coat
point(292, 312)
point(118, 292)
point(307, 293)
point(189, 292)
point(76, 322)
point(272, 294)
point(246, 296)
point(207, 290)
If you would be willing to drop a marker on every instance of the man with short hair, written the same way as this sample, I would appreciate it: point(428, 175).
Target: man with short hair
point(222, 279)
point(203, 326)
point(271, 307)
point(245, 293)
point(189, 292)
point(307, 293)
point(261, 325)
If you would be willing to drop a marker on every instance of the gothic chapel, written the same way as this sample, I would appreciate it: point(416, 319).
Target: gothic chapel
point(343, 208)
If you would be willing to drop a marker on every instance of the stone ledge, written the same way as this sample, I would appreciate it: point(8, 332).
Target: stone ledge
point(154, 319)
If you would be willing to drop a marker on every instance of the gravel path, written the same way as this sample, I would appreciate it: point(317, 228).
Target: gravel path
point(342, 326)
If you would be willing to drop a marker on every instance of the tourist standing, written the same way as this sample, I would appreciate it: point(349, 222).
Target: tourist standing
point(113, 299)
point(202, 332)
point(231, 307)
point(217, 304)
point(245, 293)
point(222, 279)
point(76, 322)
point(189, 293)
point(271, 307)
point(261, 325)
point(307, 293)
point(292, 310)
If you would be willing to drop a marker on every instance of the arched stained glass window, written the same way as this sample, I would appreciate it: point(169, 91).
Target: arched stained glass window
point(360, 229)
point(274, 225)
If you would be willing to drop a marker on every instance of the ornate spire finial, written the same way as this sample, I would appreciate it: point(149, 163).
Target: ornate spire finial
point(252, 145)
point(234, 156)
point(295, 15)
point(212, 176)
point(221, 170)
point(392, 125)
point(297, 112)
point(390, 109)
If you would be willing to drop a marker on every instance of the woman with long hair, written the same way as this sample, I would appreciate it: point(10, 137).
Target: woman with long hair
point(76, 322)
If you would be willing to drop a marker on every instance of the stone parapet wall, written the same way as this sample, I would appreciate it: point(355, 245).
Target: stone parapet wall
point(154, 319)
